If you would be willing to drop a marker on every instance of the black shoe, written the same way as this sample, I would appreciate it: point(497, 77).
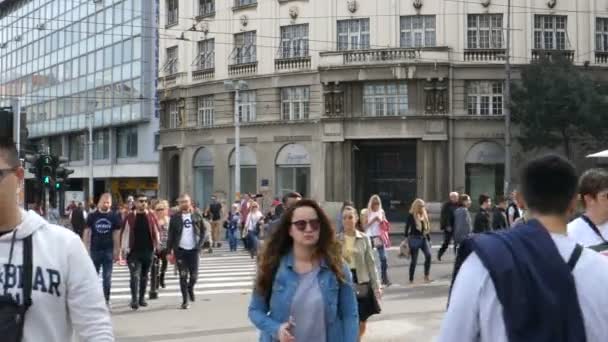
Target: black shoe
point(219, 244)
point(142, 303)
point(185, 306)
point(191, 295)
point(153, 295)
point(134, 305)
point(162, 282)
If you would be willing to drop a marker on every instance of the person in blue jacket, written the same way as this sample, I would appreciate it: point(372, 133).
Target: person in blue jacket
point(303, 290)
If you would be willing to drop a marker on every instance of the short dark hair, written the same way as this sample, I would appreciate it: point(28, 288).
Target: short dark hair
point(8, 151)
point(483, 198)
point(548, 184)
point(501, 199)
point(592, 182)
point(292, 194)
point(140, 195)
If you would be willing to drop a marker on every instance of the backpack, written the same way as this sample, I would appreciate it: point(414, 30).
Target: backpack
point(12, 314)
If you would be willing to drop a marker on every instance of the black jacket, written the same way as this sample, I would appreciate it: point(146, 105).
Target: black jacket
point(447, 215)
point(499, 219)
point(482, 222)
point(176, 225)
point(411, 230)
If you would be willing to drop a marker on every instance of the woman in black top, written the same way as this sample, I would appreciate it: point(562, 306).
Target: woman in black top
point(417, 231)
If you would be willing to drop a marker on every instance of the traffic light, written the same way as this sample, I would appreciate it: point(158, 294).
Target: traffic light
point(61, 173)
point(48, 170)
point(7, 122)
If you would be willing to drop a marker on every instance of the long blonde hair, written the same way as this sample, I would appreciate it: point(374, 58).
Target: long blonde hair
point(371, 200)
point(417, 210)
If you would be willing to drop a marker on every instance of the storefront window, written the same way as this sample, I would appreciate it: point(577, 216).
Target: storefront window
point(203, 176)
point(484, 171)
point(249, 172)
point(293, 170)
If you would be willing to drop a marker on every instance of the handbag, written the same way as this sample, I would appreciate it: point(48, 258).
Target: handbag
point(12, 314)
point(364, 293)
point(404, 249)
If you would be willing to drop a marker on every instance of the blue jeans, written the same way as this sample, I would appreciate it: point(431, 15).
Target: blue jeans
point(252, 242)
point(104, 258)
point(233, 238)
point(416, 244)
point(383, 264)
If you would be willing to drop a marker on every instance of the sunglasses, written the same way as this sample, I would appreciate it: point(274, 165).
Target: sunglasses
point(348, 217)
point(160, 209)
point(315, 224)
point(143, 201)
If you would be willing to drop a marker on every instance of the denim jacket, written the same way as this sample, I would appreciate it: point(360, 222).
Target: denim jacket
point(341, 310)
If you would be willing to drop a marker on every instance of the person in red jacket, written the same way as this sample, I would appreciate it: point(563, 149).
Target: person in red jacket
point(139, 240)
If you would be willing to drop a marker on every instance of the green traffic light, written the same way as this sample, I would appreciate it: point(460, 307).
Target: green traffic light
point(47, 180)
point(58, 186)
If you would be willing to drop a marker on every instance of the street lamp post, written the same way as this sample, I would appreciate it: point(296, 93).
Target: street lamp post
point(508, 103)
point(90, 118)
point(237, 86)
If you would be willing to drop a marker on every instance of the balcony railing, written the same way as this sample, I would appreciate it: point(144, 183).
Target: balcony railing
point(172, 80)
point(601, 57)
point(243, 69)
point(382, 56)
point(292, 63)
point(203, 74)
point(540, 53)
point(484, 55)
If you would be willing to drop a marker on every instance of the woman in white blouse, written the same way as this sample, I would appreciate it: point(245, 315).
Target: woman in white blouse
point(371, 222)
point(253, 224)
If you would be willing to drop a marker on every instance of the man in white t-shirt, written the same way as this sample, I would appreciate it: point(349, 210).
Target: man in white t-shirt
point(591, 229)
point(519, 284)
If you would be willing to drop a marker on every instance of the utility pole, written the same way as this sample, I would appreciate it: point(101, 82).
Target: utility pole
point(507, 101)
point(91, 116)
point(237, 145)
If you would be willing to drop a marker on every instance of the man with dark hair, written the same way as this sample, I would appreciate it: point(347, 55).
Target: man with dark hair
point(65, 297)
point(446, 222)
point(290, 199)
point(140, 239)
point(214, 214)
point(78, 219)
point(499, 216)
point(482, 221)
point(531, 283)
point(591, 229)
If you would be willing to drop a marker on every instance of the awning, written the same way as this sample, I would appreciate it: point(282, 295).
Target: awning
point(603, 154)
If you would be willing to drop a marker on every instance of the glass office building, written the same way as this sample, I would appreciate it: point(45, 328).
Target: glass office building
point(75, 63)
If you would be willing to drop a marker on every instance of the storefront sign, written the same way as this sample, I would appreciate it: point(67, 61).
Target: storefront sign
point(293, 154)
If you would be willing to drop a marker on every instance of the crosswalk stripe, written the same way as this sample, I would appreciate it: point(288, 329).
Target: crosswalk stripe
point(178, 294)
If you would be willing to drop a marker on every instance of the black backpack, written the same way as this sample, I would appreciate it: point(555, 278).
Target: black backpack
point(12, 314)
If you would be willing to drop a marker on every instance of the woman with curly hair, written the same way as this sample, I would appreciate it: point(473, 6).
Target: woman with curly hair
point(303, 290)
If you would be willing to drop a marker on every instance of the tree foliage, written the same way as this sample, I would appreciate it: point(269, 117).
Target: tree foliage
point(555, 103)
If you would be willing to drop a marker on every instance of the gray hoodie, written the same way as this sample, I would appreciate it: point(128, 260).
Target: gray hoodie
point(66, 294)
point(462, 224)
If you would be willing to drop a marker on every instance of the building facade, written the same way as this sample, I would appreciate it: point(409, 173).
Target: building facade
point(345, 99)
point(77, 63)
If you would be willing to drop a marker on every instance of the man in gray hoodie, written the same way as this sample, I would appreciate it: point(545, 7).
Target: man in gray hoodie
point(66, 295)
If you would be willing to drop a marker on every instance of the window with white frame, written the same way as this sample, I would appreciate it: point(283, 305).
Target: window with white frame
point(485, 97)
point(418, 31)
point(205, 111)
point(385, 99)
point(550, 32)
point(295, 103)
point(171, 63)
point(244, 48)
point(353, 34)
point(206, 54)
point(484, 31)
point(294, 41)
point(172, 12)
point(601, 34)
point(246, 106)
point(206, 7)
point(173, 111)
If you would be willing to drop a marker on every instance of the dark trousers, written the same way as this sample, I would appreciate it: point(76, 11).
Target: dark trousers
point(139, 266)
point(448, 234)
point(418, 243)
point(103, 258)
point(159, 268)
point(252, 242)
point(232, 238)
point(187, 264)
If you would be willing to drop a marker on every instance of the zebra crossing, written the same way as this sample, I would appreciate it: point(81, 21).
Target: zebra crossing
point(221, 272)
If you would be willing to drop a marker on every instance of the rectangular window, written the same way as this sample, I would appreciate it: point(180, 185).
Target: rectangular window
point(484, 31)
point(550, 32)
point(385, 99)
point(156, 141)
point(485, 97)
point(353, 34)
point(126, 142)
point(206, 54)
point(418, 31)
point(238, 3)
point(601, 34)
point(206, 7)
point(77, 144)
point(295, 103)
point(56, 146)
point(246, 106)
point(172, 12)
point(294, 41)
point(173, 111)
point(101, 144)
point(170, 66)
point(244, 48)
point(205, 112)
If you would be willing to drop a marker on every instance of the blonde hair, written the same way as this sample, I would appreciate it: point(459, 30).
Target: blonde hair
point(162, 203)
point(416, 210)
point(371, 200)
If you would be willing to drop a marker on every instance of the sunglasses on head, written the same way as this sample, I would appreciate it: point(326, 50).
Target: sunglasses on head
point(315, 224)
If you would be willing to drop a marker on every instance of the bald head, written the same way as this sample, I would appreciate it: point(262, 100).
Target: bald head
point(454, 197)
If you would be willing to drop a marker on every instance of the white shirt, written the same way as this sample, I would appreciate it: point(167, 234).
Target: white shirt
point(187, 240)
point(374, 229)
point(475, 314)
point(252, 220)
point(581, 232)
